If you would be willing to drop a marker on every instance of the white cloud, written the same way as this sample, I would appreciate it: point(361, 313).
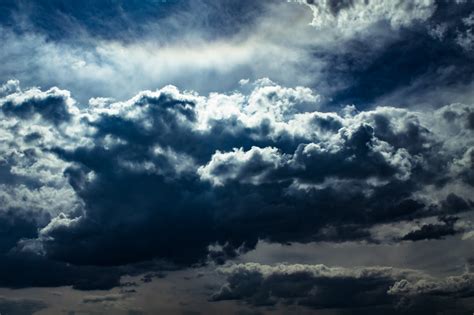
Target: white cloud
point(350, 17)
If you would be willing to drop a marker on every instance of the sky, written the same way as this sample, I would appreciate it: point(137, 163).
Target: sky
point(237, 157)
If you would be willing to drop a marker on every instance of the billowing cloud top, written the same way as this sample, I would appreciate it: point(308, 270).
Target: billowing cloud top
point(150, 135)
point(168, 173)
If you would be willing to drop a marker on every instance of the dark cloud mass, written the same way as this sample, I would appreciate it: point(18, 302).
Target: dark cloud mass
point(138, 137)
point(433, 231)
point(365, 290)
point(158, 176)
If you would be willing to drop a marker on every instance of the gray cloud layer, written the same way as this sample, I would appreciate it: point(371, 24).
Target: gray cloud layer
point(369, 290)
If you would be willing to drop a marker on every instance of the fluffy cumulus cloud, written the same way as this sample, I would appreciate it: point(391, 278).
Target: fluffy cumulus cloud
point(370, 290)
point(167, 173)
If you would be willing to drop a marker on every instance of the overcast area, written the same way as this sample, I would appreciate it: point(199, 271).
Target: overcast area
point(237, 157)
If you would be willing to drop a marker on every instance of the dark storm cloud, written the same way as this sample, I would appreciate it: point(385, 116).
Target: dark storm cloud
point(316, 286)
point(182, 177)
point(368, 290)
point(172, 178)
point(453, 203)
point(166, 174)
point(433, 231)
point(17, 272)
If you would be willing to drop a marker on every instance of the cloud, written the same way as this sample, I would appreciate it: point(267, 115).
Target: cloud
point(11, 86)
point(133, 146)
point(356, 15)
point(465, 38)
point(103, 298)
point(53, 105)
point(21, 306)
point(322, 287)
point(433, 231)
point(450, 221)
point(225, 169)
point(178, 49)
point(49, 273)
point(459, 286)
point(252, 166)
point(208, 46)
